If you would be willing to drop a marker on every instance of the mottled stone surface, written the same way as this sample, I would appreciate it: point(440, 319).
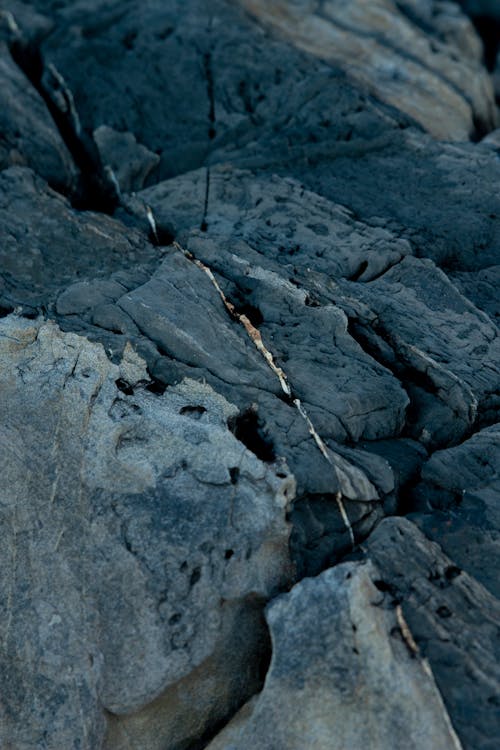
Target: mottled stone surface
point(119, 555)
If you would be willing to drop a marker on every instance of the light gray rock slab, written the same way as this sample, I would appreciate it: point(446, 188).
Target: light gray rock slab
point(340, 676)
point(135, 518)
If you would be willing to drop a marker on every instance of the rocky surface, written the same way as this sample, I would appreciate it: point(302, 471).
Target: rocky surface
point(123, 567)
point(249, 262)
point(338, 654)
point(454, 622)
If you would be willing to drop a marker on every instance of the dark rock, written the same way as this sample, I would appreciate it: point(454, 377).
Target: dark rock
point(248, 94)
point(447, 349)
point(454, 621)
point(28, 134)
point(130, 161)
point(58, 245)
point(460, 502)
point(386, 44)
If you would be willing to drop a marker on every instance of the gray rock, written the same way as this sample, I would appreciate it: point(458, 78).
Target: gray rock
point(387, 44)
point(415, 321)
point(134, 537)
point(459, 501)
point(58, 245)
point(130, 161)
point(248, 94)
point(481, 288)
point(454, 621)
point(341, 675)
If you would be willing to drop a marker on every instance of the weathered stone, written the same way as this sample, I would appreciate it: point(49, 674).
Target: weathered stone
point(415, 321)
point(136, 530)
point(248, 94)
point(454, 621)
point(459, 501)
point(130, 161)
point(58, 245)
point(341, 675)
point(387, 44)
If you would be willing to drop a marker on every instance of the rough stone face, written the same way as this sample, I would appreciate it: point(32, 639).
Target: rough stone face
point(58, 245)
point(387, 44)
point(454, 621)
point(249, 95)
point(133, 537)
point(130, 161)
point(341, 675)
point(325, 325)
point(419, 322)
point(459, 503)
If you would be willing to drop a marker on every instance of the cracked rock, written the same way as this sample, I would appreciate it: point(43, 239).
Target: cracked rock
point(387, 44)
point(341, 675)
point(29, 137)
point(454, 621)
point(459, 498)
point(57, 245)
point(139, 534)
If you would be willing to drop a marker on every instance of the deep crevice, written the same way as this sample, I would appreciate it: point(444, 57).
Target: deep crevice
point(488, 29)
point(249, 429)
point(94, 189)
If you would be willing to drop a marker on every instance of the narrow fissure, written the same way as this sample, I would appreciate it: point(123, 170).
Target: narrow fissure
point(95, 189)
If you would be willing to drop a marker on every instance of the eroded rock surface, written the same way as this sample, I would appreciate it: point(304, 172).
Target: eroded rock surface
point(118, 570)
point(277, 325)
point(454, 621)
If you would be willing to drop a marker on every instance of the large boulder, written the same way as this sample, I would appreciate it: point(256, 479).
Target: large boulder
point(458, 504)
point(387, 44)
point(140, 536)
point(453, 620)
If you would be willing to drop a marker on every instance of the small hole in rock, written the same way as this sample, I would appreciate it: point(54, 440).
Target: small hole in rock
point(234, 473)
point(124, 387)
point(451, 572)
point(228, 554)
point(195, 576)
point(443, 611)
point(250, 430)
point(193, 411)
point(156, 386)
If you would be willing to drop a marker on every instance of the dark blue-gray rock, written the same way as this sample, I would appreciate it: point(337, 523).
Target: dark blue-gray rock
point(387, 44)
point(45, 245)
point(29, 137)
point(459, 501)
point(454, 621)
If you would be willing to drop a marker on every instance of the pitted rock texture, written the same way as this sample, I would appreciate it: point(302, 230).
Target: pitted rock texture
point(118, 569)
point(249, 262)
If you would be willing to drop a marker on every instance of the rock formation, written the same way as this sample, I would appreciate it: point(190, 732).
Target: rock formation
point(249, 375)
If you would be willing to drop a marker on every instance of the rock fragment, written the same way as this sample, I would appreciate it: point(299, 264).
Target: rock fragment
point(341, 675)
